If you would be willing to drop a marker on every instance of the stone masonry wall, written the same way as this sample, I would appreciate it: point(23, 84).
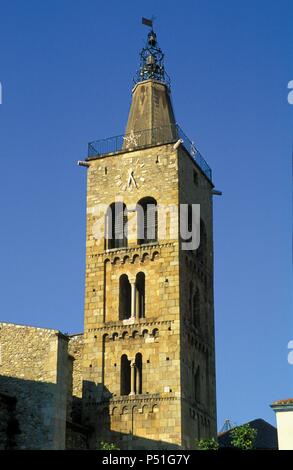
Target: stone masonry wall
point(8, 424)
point(76, 437)
point(155, 174)
point(197, 339)
point(147, 421)
point(33, 369)
point(75, 350)
point(153, 421)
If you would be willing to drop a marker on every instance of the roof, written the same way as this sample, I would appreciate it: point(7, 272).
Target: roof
point(151, 108)
point(266, 437)
point(286, 401)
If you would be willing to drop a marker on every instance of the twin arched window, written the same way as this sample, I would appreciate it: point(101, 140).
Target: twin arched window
point(131, 385)
point(116, 235)
point(132, 297)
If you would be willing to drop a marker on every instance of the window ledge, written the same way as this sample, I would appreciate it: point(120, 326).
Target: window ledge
point(129, 321)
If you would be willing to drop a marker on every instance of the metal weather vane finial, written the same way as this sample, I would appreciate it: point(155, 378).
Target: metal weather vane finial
point(151, 58)
point(148, 22)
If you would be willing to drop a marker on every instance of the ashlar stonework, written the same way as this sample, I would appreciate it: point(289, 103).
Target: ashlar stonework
point(142, 374)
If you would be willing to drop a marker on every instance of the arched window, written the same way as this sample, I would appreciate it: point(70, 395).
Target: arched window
point(186, 222)
point(198, 427)
point(190, 300)
point(138, 373)
point(197, 385)
point(202, 249)
point(125, 375)
point(196, 308)
point(147, 220)
point(140, 288)
point(189, 219)
point(124, 297)
point(155, 333)
point(116, 226)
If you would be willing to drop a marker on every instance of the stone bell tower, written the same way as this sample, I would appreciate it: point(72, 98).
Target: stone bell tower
point(149, 357)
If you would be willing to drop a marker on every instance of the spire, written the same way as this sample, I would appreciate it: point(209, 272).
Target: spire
point(151, 106)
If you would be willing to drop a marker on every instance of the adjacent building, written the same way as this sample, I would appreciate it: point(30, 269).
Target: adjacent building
point(284, 417)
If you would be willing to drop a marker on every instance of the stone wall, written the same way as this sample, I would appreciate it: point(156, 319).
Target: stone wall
point(152, 422)
point(35, 369)
point(77, 436)
point(197, 334)
point(145, 421)
point(75, 350)
point(149, 168)
point(9, 427)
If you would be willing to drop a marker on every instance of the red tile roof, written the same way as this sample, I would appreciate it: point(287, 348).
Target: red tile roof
point(286, 401)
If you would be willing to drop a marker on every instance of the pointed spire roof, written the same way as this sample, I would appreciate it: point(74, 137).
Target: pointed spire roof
point(151, 105)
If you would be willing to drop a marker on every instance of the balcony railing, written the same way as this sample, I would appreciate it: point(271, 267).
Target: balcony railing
point(148, 138)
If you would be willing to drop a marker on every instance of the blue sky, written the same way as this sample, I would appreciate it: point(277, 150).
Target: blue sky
point(66, 69)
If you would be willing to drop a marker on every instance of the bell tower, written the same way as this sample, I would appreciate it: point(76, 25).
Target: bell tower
point(149, 356)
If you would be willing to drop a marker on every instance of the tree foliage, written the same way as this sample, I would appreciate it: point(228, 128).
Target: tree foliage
point(207, 444)
point(108, 446)
point(243, 437)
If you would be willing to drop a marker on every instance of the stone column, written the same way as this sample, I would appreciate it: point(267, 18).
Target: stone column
point(132, 378)
point(137, 381)
point(133, 300)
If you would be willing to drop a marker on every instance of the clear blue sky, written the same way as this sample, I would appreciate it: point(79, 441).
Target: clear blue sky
point(66, 68)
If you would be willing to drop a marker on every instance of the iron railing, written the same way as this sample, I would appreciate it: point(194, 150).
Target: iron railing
point(148, 138)
point(195, 154)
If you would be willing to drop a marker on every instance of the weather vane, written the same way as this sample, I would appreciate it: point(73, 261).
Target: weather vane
point(151, 58)
point(148, 22)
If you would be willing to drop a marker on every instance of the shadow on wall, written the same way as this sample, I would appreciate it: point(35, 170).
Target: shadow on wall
point(9, 426)
point(100, 413)
point(33, 416)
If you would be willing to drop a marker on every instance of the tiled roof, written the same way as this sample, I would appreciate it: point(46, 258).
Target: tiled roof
point(286, 401)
